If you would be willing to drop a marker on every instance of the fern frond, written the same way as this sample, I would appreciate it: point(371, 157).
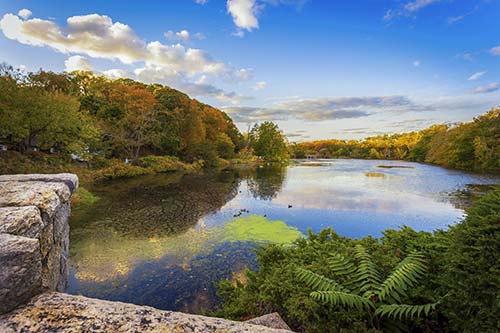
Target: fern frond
point(318, 282)
point(342, 298)
point(406, 311)
point(367, 275)
point(402, 277)
point(341, 265)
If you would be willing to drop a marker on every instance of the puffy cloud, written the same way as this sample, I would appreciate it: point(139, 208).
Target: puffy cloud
point(183, 35)
point(261, 85)
point(243, 74)
point(320, 109)
point(476, 76)
point(407, 9)
point(77, 63)
point(201, 2)
point(495, 51)
point(24, 13)
point(117, 73)
point(491, 87)
point(244, 13)
point(97, 36)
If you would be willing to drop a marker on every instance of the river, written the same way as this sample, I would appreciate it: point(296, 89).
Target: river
point(164, 240)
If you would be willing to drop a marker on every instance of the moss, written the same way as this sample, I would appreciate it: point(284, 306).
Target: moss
point(82, 196)
point(260, 229)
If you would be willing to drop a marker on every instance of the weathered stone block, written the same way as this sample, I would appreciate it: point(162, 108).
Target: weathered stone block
point(272, 320)
point(21, 270)
point(21, 221)
point(56, 312)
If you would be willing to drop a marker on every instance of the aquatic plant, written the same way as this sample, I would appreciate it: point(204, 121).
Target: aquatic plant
point(259, 229)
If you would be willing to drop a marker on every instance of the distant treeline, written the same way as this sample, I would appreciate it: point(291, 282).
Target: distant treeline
point(473, 145)
point(92, 116)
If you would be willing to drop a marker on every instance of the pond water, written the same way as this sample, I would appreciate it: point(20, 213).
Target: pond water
point(164, 240)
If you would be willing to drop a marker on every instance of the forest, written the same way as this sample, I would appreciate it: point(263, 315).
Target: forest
point(471, 146)
point(96, 119)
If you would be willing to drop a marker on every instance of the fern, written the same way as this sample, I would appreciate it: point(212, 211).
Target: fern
point(366, 289)
point(342, 298)
point(367, 276)
point(404, 311)
point(405, 275)
point(340, 265)
point(319, 282)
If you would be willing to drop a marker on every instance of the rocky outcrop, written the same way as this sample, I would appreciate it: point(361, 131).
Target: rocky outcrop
point(57, 312)
point(272, 320)
point(34, 235)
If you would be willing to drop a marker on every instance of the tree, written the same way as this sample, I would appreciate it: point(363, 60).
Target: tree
point(225, 146)
point(363, 287)
point(268, 142)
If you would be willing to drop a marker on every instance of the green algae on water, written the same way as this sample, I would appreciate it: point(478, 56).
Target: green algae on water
point(259, 229)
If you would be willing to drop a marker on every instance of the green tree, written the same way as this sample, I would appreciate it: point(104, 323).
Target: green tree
point(225, 146)
point(268, 142)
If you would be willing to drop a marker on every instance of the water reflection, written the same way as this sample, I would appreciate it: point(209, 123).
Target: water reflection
point(266, 181)
point(163, 240)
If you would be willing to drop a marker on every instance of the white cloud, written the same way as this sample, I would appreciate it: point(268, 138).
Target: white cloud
point(201, 2)
point(320, 109)
point(495, 50)
point(24, 13)
point(476, 76)
point(244, 13)
point(117, 73)
point(97, 36)
point(465, 56)
point(243, 74)
point(407, 9)
point(182, 35)
point(77, 63)
point(491, 87)
point(416, 63)
point(261, 85)
point(238, 33)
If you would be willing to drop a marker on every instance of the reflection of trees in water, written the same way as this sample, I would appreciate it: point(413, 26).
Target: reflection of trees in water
point(266, 181)
point(158, 205)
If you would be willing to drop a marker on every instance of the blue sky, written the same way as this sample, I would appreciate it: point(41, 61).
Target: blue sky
point(320, 69)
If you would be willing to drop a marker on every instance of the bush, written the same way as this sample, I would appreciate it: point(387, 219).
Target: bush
point(120, 169)
point(161, 163)
point(473, 268)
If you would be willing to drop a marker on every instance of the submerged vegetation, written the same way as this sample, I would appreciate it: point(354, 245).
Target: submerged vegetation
point(462, 281)
point(473, 145)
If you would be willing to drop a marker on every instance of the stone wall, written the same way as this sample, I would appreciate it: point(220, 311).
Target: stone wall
point(34, 235)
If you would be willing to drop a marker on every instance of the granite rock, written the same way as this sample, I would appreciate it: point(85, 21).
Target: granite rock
point(272, 320)
point(21, 270)
point(57, 312)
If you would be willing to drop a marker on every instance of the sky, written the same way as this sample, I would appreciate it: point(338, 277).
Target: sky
point(319, 69)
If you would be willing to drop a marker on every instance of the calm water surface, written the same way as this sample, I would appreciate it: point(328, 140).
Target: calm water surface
point(164, 240)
